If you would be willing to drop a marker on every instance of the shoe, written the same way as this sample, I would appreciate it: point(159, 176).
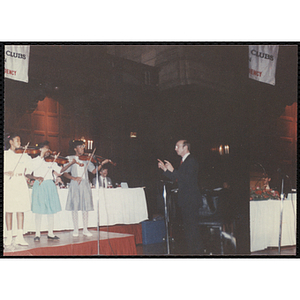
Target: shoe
point(37, 239)
point(20, 241)
point(53, 237)
point(87, 233)
point(8, 241)
point(75, 233)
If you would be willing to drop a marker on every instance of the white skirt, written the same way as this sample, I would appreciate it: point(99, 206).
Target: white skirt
point(16, 194)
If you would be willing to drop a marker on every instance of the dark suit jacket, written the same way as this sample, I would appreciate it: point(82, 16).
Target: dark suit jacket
point(187, 179)
point(189, 201)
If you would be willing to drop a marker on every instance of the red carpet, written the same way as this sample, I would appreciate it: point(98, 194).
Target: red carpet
point(110, 244)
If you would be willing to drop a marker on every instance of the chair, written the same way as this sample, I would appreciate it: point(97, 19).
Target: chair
point(212, 216)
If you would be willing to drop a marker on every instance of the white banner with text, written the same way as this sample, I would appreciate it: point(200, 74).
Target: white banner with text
point(262, 63)
point(16, 62)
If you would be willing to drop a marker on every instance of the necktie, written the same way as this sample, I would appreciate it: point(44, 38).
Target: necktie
point(104, 182)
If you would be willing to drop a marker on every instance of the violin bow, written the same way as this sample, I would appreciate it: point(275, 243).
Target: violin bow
point(88, 163)
point(55, 157)
point(25, 148)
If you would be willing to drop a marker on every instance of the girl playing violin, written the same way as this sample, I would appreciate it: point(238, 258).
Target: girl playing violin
point(16, 193)
point(80, 193)
point(45, 199)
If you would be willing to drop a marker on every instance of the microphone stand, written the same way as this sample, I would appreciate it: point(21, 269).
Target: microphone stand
point(166, 218)
point(98, 216)
point(281, 213)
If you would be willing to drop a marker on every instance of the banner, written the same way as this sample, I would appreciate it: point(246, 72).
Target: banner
point(16, 62)
point(262, 63)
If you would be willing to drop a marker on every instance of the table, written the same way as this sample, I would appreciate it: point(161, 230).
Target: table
point(265, 223)
point(116, 206)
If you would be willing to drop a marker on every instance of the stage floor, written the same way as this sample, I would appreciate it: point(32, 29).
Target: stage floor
point(111, 243)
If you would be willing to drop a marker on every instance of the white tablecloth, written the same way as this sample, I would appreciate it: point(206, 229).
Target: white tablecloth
point(116, 206)
point(265, 223)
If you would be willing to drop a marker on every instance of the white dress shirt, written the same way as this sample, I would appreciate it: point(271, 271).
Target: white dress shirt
point(185, 156)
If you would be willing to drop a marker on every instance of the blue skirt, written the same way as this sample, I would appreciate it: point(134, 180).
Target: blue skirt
point(45, 199)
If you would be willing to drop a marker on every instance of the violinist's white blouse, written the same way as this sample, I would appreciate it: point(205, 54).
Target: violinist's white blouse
point(42, 168)
point(16, 193)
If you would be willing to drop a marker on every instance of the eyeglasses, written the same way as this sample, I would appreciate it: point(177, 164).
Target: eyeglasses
point(178, 146)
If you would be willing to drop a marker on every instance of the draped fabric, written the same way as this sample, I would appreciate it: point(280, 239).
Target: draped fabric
point(116, 206)
point(265, 223)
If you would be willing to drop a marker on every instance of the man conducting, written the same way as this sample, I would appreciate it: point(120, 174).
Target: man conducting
point(189, 197)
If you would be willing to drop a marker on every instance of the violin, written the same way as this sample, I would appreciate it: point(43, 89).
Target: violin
point(29, 150)
point(86, 157)
point(60, 159)
point(32, 150)
point(94, 158)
